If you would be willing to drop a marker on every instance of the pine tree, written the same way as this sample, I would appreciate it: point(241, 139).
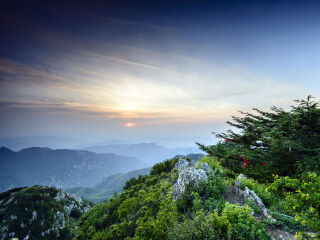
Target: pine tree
point(287, 141)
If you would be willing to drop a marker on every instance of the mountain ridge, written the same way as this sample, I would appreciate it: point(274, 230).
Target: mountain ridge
point(61, 168)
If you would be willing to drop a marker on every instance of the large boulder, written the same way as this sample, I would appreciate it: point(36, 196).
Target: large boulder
point(181, 164)
point(188, 176)
point(249, 195)
point(205, 167)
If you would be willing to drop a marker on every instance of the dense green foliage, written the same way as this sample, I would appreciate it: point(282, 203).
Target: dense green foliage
point(285, 143)
point(301, 196)
point(288, 141)
point(146, 202)
point(146, 210)
point(35, 212)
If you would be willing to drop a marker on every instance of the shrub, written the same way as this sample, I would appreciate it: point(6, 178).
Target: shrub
point(163, 167)
point(216, 166)
point(302, 198)
point(242, 224)
point(201, 226)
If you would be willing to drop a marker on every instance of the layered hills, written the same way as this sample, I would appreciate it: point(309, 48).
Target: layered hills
point(62, 168)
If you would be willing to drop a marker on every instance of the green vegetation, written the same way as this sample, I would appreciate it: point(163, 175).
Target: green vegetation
point(301, 196)
point(277, 150)
point(288, 141)
point(36, 213)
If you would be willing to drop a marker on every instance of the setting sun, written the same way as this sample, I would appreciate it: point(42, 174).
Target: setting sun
point(130, 124)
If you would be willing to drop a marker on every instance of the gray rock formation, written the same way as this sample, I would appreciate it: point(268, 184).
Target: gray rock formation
point(249, 195)
point(188, 175)
point(205, 167)
point(182, 163)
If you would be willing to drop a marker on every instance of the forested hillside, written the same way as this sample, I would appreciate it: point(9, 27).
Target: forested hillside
point(40, 213)
point(278, 151)
point(105, 189)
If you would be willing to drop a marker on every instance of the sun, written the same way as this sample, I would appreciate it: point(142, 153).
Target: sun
point(129, 124)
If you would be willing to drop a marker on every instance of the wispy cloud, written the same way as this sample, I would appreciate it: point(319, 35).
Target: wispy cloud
point(124, 61)
point(114, 20)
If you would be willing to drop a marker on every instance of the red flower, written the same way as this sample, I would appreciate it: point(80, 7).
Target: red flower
point(263, 163)
point(245, 161)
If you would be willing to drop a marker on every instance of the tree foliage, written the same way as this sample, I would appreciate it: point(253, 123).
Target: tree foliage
point(286, 141)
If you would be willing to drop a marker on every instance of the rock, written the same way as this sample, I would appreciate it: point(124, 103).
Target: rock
point(205, 167)
point(181, 164)
point(86, 209)
point(77, 198)
point(69, 208)
point(34, 215)
point(258, 200)
point(188, 176)
point(53, 219)
point(249, 195)
point(239, 179)
point(9, 201)
point(60, 195)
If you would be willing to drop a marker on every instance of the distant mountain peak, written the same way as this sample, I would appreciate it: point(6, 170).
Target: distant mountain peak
point(5, 150)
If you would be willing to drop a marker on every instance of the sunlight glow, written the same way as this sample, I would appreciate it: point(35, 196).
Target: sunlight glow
point(129, 124)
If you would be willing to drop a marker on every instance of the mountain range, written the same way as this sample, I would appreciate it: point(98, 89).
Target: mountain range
point(62, 168)
point(150, 153)
point(105, 189)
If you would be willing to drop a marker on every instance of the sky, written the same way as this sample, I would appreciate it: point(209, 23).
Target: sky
point(170, 70)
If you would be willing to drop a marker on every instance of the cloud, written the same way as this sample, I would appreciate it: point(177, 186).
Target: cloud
point(100, 86)
point(122, 21)
point(20, 73)
point(124, 61)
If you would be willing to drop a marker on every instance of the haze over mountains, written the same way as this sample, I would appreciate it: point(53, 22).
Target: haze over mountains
point(150, 153)
point(62, 168)
point(69, 168)
point(105, 189)
point(108, 186)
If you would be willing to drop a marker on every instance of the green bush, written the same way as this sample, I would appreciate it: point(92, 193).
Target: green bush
point(216, 166)
point(302, 198)
point(235, 223)
point(163, 167)
point(242, 224)
point(201, 226)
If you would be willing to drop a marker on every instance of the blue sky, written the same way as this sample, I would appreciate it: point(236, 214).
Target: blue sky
point(175, 69)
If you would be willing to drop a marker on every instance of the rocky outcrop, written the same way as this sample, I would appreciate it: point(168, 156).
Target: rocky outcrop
point(205, 167)
point(188, 175)
point(249, 195)
point(39, 212)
